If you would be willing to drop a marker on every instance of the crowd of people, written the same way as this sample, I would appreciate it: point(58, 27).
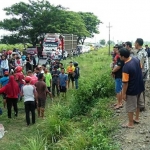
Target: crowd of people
point(32, 82)
point(130, 69)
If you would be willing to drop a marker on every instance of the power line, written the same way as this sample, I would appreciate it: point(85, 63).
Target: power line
point(109, 37)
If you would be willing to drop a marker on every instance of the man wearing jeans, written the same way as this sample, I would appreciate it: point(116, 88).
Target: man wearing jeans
point(117, 73)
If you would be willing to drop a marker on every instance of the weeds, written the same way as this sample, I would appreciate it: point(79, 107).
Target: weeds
point(84, 120)
point(34, 143)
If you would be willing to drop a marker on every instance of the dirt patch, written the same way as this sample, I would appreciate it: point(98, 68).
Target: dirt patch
point(139, 137)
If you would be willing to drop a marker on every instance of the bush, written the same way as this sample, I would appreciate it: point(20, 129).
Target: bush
point(90, 90)
point(54, 126)
point(34, 143)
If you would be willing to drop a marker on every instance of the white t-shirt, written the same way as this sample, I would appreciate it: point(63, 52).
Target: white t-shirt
point(28, 92)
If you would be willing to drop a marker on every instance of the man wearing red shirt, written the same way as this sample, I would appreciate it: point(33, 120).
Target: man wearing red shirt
point(34, 79)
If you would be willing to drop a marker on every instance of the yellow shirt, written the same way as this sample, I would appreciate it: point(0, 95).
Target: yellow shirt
point(70, 69)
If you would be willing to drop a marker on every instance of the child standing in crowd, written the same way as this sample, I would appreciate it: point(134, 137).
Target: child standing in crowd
point(29, 93)
point(63, 82)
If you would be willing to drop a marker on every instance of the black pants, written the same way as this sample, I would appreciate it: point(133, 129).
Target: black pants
point(28, 66)
point(12, 102)
point(34, 66)
point(30, 106)
point(53, 89)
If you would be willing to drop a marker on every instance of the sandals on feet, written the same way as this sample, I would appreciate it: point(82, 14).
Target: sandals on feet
point(127, 126)
point(136, 122)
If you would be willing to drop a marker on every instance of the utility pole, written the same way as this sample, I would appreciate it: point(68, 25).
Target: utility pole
point(109, 37)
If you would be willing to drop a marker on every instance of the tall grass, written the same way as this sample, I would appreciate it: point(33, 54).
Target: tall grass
point(37, 142)
point(83, 121)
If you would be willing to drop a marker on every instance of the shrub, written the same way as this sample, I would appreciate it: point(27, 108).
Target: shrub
point(53, 126)
point(34, 143)
point(99, 86)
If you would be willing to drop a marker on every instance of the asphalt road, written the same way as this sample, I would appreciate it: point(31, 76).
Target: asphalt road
point(42, 61)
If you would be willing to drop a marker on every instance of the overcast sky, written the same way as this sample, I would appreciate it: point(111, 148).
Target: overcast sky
point(129, 18)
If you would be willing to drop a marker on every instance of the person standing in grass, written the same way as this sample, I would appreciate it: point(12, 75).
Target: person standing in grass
point(70, 71)
point(4, 64)
point(29, 93)
point(76, 74)
point(117, 73)
point(3, 81)
point(133, 85)
point(42, 91)
point(48, 80)
point(12, 91)
point(55, 76)
point(63, 82)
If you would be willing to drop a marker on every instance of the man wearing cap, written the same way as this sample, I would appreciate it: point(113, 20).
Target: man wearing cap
point(30, 94)
point(3, 81)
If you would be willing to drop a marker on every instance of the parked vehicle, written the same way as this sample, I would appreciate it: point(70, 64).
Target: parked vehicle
point(32, 50)
point(83, 48)
point(58, 43)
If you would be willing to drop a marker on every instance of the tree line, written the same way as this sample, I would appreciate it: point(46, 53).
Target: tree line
point(29, 22)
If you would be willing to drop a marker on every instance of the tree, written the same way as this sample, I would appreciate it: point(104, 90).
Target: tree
point(31, 21)
point(103, 42)
point(92, 24)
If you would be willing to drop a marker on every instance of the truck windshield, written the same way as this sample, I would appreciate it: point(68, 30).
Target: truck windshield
point(50, 44)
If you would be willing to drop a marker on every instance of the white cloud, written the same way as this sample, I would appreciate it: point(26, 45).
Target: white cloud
point(129, 18)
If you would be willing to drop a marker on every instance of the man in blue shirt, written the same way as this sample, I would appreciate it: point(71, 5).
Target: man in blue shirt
point(63, 81)
point(133, 86)
point(3, 81)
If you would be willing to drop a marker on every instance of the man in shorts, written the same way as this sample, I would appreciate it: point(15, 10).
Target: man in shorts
point(41, 90)
point(70, 71)
point(3, 81)
point(63, 82)
point(133, 85)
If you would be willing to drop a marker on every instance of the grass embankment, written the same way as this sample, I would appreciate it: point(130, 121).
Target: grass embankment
point(82, 121)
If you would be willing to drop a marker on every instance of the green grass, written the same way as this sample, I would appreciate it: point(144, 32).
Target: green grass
point(11, 47)
point(82, 121)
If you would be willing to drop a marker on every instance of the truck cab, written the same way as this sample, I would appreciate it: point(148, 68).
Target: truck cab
point(50, 44)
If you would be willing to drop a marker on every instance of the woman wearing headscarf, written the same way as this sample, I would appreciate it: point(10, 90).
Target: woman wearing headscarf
point(12, 91)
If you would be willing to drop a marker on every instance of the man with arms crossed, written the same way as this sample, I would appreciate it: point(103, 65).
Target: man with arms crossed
point(132, 85)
